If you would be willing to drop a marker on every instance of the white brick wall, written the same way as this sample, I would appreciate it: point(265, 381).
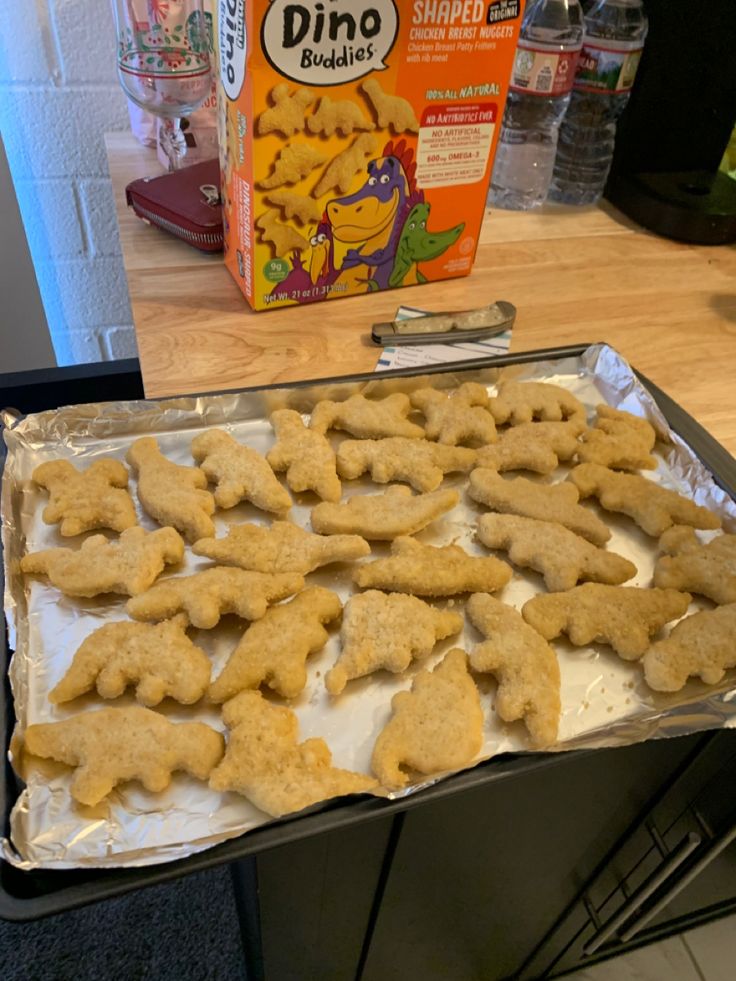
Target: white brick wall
point(58, 95)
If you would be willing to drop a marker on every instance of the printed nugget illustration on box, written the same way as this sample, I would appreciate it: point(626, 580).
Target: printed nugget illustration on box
point(356, 140)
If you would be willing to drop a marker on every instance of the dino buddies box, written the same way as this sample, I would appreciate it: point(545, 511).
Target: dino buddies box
point(356, 140)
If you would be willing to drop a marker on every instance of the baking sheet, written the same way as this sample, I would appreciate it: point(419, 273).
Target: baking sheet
point(604, 699)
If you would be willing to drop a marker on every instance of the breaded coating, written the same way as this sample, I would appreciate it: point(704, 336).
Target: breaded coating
point(294, 162)
point(113, 745)
point(700, 646)
point(536, 446)
point(386, 630)
point(283, 547)
point(367, 418)
point(561, 556)
point(426, 570)
point(653, 508)
point(171, 494)
point(274, 649)
point(524, 665)
point(208, 595)
point(619, 440)
point(383, 517)
point(241, 474)
point(305, 455)
point(436, 726)
point(88, 499)
point(706, 569)
point(128, 565)
point(546, 502)
point(519, 402)
point(415, 461)
point(158, 659)
point(460, 416)
point(266, 763)
point(625, 617)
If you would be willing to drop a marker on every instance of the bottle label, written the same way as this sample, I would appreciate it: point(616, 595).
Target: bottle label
point(609, 67)
point(543, 70)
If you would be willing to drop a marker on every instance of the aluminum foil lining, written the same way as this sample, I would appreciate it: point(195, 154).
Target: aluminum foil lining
point(605, 701)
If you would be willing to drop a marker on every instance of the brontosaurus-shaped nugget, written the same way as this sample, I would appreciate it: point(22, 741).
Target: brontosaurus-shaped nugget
point(383, 516)
point(706, 569)
point(536, 446)
point(287, 113)
point(208, 595)
point(342, 115)
point(619, 440)
point(386, 630)
point(159, 659)
point(305, 455)
point(172, 494)
point(84, 500)
point(561, 556)
point(653, 508)
point(547, 502)
point(129, 565)
point(283, 547)
point(113, 745)
point(456, 417)
point(241, 474)
point(274, 649)
point(519, 402)
point(266, 763)
point(523, 663)
point(367, 418)
point(436, 726)
point(342, 169)
point(416, 461)
point(392, 110)
point(427, 570)
point(700, 646)
point(623, 616)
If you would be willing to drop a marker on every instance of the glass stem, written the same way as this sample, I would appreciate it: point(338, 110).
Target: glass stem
point(173, 142)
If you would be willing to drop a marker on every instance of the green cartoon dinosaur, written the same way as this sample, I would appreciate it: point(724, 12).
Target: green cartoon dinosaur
point(417, 244)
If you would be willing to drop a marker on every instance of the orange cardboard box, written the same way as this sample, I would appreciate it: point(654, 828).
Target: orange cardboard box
point(357, 139)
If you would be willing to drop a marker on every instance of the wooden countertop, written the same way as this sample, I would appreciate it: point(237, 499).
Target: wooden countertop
point(574, 275)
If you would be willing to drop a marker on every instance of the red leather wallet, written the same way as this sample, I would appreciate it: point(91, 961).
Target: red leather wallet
point(185, 203)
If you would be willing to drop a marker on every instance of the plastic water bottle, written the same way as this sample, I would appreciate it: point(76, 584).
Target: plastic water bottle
point(615, 31)
point(539, 91)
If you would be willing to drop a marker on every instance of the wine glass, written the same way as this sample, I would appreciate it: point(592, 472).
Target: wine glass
point(163, 62)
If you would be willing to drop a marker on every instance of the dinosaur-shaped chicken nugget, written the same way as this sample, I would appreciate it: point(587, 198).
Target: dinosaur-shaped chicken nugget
point(426, 570)
point(386, 630)
point(536, 446)
point(283, 238)
point(129, 565)
point(383, 516)
point(159, 659)
point(241, 474)
point(700, 646)
point(113, 745)
point(653, 508)
point(620, 440)
point(706, 569)
point(519, 402)
point(523, 663)
point(283, 547)
point(392, 110)
point(367, 418)
point(342, 169)
point(171, 494)
point(274, 649)
point(294, 162)
point(82, 501)
point(562, 557)
point(295, 205)
point(456, 417)
point(623, 616)
point(342, 115)
point(547, 502)
point(416, 461)
point(287, 113)
point(208, 595)
point(436, 726)
point(305, 455)
point(266, 763)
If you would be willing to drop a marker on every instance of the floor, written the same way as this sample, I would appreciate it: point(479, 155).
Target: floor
point(705, 954)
